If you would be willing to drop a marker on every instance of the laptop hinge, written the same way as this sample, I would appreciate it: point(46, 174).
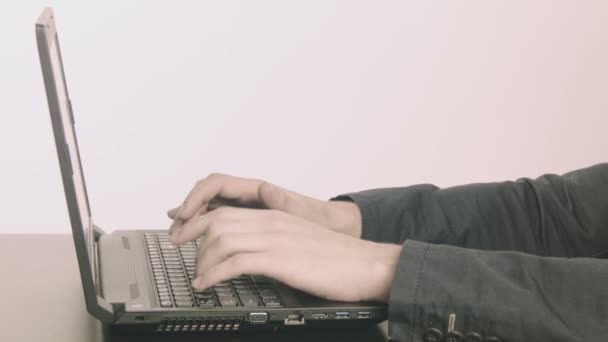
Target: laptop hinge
point(117, 275)
point(117, 308)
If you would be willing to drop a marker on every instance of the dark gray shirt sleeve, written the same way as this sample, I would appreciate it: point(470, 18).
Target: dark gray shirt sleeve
point(510, 295)
point(556, 290)
point(551, 215)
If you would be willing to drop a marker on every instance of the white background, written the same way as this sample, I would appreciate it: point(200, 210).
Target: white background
point(322, 97)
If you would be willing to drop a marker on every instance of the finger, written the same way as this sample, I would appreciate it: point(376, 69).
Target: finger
point(214, 203)
point(176, 224)
point(235, 227)
point(227, 245)
point(198, 225)
point(171, 213)
point(245, 263)
point(218, 185)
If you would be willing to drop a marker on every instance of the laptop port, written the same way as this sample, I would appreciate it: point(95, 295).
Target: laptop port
point(318, 316)
point(342, 315)
point(364, 314)
point(294, 319)
point(258, 317)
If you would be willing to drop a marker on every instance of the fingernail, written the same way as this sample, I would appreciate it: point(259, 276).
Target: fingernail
point(197, 283)
point(174, 228)
point(175, 236)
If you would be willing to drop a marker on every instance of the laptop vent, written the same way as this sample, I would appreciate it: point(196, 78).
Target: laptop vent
point(197, 325)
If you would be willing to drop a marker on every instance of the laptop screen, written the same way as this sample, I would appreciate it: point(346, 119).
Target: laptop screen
point(70, 140)
point(65, 138)
point(60, 108)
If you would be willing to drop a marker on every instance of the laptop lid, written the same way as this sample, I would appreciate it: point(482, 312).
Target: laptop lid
point(62, 119)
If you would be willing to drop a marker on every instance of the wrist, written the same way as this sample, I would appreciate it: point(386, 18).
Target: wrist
point(385, 268)
point(345, 217)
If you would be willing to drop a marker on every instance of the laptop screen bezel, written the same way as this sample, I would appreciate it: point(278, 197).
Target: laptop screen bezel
point(83, 231)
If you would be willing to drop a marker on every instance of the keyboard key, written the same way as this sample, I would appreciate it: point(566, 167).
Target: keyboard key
point(260, 279)
point(228, 301)
point(173, 273)
point(271, 301)
point(176, 277)
point(176, 263)
point(249, 299)
point(180, 283)
point(180, 288)
point(166, 303)
point(243, 287)
point(181, 293)
point(268, 293)
point(239, 291)
point(264, 287)
point(206, 302)
point(184, 303)
point(227, 293)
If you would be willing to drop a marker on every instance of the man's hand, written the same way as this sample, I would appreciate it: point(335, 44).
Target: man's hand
point(219, 190)
point(300, 253)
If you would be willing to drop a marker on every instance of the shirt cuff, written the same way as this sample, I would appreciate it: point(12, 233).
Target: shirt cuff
point(370, 224)
point(404, 310)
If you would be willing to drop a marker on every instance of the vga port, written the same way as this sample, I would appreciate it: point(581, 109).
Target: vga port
point(258, 317)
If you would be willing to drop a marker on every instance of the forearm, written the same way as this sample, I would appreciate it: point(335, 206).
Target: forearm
point(511, 295)
point(551, 215)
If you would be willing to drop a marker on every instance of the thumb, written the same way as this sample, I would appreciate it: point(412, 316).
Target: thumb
point(276, 198)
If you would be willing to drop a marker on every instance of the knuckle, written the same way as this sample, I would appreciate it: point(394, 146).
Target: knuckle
point(223, 242)
point(221, 214)
point(215, 230)
point(276, 214)
point(238, 262)
point(212, 231)
point(215, 176)
point(200, 182)
point(277, 217)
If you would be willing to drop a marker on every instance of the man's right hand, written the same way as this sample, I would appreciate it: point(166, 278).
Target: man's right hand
point(218, 190)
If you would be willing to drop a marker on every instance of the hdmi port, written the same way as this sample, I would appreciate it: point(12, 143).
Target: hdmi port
point(318, 316)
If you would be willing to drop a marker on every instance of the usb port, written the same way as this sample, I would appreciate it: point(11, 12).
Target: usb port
point(342, 315)
point(364, 314)
point(318, 316)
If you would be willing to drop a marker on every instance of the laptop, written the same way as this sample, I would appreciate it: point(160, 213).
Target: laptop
point(138, 281)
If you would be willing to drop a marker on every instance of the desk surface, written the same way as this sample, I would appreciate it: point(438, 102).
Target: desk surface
point(41, 299)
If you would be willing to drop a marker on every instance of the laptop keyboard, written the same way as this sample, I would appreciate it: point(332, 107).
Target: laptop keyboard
point(174, 267)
